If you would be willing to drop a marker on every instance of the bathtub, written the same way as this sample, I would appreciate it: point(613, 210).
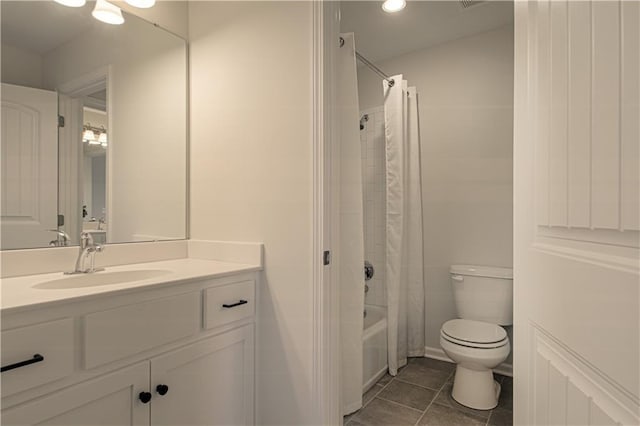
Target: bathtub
point(374, 346)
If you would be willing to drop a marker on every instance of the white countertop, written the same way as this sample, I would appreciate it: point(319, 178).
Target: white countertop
point(20, 292)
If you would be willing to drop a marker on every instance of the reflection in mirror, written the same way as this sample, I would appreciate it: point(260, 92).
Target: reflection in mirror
point(114, 164)
point(94, 169)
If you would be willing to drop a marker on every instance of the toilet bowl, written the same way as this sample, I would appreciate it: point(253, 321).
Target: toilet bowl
point(477, 348)
point(476, 342)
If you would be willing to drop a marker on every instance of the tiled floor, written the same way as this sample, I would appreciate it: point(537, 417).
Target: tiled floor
point(421, 395)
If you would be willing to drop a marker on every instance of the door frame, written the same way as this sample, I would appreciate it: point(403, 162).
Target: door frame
point(325, 395)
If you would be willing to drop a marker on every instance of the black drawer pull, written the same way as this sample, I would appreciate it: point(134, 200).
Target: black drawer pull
point(233, 305)
point(162, 389)
point(36, 358)
point(144, 397)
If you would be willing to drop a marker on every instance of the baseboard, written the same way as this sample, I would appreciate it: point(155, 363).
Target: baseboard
point(437, 353)
point(351, 408)
point(372, 381)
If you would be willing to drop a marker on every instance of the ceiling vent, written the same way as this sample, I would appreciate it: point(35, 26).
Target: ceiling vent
point(470, 3)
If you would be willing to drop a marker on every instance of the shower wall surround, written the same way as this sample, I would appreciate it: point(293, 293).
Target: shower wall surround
point(374, 197)
point(466, 113)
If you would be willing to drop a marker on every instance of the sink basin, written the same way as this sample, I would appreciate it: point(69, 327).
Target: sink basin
point(101, 278)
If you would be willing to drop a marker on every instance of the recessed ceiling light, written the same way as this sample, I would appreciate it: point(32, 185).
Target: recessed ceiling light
point(108, 13)
point(391, 6)
point(143, 4)
point(72, 3)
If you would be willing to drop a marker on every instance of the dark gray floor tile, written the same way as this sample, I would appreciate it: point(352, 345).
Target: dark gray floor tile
point(508, 379)
point(368, 395)
point(439, 415)
point(384, 413)
point(424, 376)
point(385, 379)
point(444, 398)
point(506, 394)
point(500, 417)
point(407, 394)
point(434, 364)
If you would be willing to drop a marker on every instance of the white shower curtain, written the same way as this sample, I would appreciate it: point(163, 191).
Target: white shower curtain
point(351, 247)
point(405, 285)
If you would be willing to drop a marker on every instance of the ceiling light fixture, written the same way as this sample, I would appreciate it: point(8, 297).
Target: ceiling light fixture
point(142, 4)
point(391, 6)
point(108, 13)
point(72, 3)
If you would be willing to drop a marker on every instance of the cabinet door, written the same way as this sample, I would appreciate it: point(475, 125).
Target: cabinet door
point(209, 382)
point(110, 400)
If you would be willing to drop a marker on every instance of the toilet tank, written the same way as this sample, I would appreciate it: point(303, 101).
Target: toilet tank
point(483, 293)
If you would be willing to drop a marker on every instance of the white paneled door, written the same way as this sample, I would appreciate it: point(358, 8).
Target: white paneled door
point(29, 177)
point(577, 184)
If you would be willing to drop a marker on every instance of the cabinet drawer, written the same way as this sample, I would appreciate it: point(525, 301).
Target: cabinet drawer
point(52, 341)
point(121, 332)
point(228, 303)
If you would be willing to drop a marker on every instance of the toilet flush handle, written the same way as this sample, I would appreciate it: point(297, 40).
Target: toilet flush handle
point(457, 277)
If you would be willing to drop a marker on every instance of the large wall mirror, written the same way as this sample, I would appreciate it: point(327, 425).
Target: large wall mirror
point(94, 128)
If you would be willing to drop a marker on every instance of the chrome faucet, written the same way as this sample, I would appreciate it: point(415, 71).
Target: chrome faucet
point(88, 250)
point(61, 241)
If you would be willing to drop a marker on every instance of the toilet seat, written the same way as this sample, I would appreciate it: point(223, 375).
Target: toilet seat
point(474, 334)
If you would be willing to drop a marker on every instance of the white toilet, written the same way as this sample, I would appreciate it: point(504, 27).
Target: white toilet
point(476, 342)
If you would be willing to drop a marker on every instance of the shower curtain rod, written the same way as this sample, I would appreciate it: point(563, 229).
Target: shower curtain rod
point(371, 65)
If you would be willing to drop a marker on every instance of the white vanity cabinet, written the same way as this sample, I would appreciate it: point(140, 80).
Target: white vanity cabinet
point(179, 355)
point(206, 383)
point(106, 400)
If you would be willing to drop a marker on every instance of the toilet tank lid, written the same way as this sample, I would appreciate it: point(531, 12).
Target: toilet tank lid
point(482, 271)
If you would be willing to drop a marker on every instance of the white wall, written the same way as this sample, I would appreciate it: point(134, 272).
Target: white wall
point(98, 181)
point(466, 113)
point(251, 174)
point(21, 67)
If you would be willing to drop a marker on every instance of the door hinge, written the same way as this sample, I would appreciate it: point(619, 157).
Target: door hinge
point(60, 121)
point(326, 257)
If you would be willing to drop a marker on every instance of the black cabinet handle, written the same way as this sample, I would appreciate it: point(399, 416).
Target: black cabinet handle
point(162, 389)
point(36, 358)
point(144, 397)
point(233, 305)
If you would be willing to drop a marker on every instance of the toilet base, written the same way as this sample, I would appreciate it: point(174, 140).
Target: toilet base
point(475, 389)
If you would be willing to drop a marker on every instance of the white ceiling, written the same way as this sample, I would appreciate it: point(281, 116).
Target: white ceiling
point(41, 26)
point(380, 35)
